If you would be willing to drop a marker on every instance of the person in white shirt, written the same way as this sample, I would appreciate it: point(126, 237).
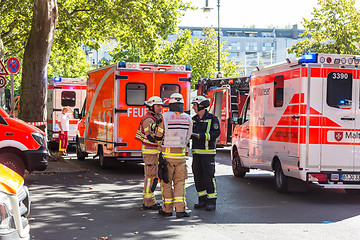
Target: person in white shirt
point(63, 122)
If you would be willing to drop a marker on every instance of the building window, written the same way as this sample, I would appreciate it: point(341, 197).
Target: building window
point(197, 33)
point(251, 46)
point(135, 94)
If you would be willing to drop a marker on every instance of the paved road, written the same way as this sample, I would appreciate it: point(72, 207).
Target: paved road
point(105, 204)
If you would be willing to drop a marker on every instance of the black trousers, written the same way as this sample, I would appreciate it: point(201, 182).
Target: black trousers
point(203, 167)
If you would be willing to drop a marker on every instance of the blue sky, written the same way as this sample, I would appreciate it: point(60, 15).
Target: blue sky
point(243, 13)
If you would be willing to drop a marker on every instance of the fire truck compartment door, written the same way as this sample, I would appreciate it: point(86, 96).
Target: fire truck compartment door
point(132, 90)
point(340, 100)
point(221, 108)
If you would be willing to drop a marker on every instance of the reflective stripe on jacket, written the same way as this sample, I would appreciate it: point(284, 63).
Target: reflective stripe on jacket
point(209, 129)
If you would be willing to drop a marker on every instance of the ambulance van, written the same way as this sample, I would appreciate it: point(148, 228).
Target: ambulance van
point(115, 105)
point(63, 92)
point(22, 146)
point(302, 121)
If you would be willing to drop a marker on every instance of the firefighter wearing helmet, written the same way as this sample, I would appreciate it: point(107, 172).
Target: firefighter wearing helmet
point(176, 131)
point(150, 150)
point(206, 129)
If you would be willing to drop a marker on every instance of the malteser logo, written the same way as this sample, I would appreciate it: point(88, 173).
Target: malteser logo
point(260, 92)
point(338, 136)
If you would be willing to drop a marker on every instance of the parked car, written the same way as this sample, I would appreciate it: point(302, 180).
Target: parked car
point(14, 206)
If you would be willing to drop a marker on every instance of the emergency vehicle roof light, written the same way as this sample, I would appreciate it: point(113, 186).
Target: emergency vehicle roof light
point(57, 79)
point(309, 58)
point(188, 67)
point(121, 65)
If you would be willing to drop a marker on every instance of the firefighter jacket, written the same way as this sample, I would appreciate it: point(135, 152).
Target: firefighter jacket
point(176, 130)
point(209, 129)
point(146, 131)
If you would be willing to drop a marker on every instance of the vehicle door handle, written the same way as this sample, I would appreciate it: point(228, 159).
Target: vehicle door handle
point(348, 118)
point(295, 117)
point(247, 129)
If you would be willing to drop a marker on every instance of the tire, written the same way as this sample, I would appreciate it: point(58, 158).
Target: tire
point(79, 153)
point(102, 159)
point(280, 180)
point(13, 161)
point(238, 170)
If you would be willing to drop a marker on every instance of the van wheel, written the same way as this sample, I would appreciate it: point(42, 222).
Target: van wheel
point(280, 180)
point(102, 159)
point(79, 154)
point(13, 162)
point(238, 170)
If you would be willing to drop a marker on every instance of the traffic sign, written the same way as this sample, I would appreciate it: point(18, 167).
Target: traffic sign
point(3, 69)
point(13, 65)
point(2, 82)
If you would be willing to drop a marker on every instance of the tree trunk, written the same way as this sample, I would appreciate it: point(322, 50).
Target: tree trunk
point(35, 63)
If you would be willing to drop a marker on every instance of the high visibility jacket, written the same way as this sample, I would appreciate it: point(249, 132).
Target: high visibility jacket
point(209, 129)
point(176, 130)
point(146, 130)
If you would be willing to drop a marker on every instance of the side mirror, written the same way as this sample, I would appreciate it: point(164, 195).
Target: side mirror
point(76, 113)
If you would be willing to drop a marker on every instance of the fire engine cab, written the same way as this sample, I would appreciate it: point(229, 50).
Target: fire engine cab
point(302, 121)
point(115, 105)
point(63, 92)
point(227, 96)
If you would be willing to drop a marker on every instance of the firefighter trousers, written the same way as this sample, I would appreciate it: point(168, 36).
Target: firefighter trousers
point(203, 167)
point(151, 178)
point(173, 193)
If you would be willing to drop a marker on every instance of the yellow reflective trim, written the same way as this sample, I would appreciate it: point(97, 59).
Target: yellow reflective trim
point(214, 182)
point(202, 193)
point(203, 151)
point(146, 129)
point(160, 130)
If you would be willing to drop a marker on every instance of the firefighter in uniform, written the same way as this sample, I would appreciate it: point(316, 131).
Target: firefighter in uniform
point(206, 129)
point(176, 131)
point(150, 150)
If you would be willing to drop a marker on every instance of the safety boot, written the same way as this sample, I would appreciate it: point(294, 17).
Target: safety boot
point(182, 214)
point(210, 207)
point(165, 214)
point(199, 205)
point(156, 206)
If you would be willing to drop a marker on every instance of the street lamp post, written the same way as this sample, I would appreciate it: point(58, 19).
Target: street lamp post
point(208, 9)
point(218, 5)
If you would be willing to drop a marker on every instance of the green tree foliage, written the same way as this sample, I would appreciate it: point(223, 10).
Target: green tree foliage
point(200, 53)
point(67, 63)
point(334, 28)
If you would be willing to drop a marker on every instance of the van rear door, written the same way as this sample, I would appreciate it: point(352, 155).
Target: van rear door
point(133, 88)
point(338, 121)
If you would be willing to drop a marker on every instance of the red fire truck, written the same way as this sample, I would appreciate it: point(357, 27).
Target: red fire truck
point(227, 96)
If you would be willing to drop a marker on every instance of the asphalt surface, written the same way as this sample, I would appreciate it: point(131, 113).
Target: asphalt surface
point(78, 200)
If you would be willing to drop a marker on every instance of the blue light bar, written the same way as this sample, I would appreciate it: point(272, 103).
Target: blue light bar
point(342, 102)
point(309, 58)
point(187, 67)
point(121, 65)
point(57, 79)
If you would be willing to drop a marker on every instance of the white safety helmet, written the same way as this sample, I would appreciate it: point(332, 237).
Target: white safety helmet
point(176, 98)
point(153, 101)
point(201, 100)
point(198, 99)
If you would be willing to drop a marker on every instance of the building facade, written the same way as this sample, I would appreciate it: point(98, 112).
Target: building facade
point(250, 47)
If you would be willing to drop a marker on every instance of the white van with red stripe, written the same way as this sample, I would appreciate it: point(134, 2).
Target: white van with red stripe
point(302, 121)
point(63, 92)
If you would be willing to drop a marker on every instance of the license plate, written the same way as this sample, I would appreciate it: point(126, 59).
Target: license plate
point(351, 177)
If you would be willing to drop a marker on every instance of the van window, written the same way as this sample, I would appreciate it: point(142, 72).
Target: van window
point(339, 90)
point(68, 98)
point(245, 114)
point(135, 94)
point(167, 89)
point(279, 91)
